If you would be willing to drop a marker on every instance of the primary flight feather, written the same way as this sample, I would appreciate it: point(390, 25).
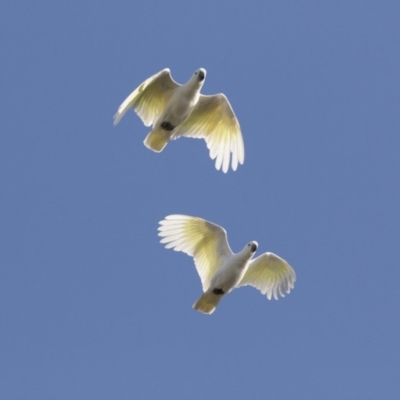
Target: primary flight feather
point(221, 270)
point(175, 110)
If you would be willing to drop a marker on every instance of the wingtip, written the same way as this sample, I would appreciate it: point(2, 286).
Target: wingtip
point(117, 117)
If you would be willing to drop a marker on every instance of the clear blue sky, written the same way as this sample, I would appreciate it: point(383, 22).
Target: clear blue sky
point(93, 307)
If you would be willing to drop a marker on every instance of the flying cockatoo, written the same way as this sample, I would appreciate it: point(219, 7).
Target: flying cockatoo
point(220, 270)
point(176, 110)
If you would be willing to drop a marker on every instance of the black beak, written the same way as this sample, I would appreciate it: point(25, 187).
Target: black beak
point(201, 76)
point(253, 248)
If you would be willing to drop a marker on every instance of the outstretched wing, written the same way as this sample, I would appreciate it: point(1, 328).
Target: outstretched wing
point(271, 275)
point(213, 119)
point(150, 98)
point(204, 241)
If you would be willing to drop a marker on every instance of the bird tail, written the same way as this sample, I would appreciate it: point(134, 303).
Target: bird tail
point(157, 139)
point(207, 302)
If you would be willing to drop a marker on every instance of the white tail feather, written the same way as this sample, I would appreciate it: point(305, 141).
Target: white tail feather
point(207, 302)
point(157, 139)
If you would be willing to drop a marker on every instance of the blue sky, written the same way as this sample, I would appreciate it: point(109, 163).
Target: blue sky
point(92, 306)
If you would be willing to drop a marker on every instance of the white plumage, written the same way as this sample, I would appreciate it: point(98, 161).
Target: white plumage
point(175, 110)
point(221, 270)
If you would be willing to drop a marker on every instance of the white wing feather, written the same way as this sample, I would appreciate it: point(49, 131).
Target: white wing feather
point(204, 241)
point(150, 98)
point(271, 275)
point(213, 119)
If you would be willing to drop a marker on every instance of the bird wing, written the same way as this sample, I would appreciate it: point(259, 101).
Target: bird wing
point(213, 119)
point(271, 275)
point(206, 242)
point(150, 98)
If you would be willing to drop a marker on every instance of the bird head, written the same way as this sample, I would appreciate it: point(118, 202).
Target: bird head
point(200, 75)
point(252, 247)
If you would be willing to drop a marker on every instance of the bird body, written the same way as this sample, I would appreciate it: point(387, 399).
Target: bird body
point(175, 110)
point(225, 279)
point(229, 274)
point(182, 102)
point(221, 270)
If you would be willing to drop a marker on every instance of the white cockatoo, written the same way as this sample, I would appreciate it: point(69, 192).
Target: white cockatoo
point(176, 110)
point(220, 270)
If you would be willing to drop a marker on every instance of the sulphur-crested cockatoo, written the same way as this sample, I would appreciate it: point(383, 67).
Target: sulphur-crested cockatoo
point(176, 110)
point(220, 270)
